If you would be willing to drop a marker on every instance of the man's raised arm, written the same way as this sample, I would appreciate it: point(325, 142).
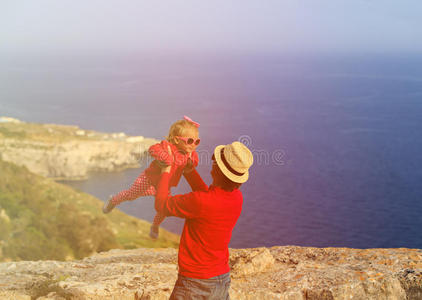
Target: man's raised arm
point(195, 181)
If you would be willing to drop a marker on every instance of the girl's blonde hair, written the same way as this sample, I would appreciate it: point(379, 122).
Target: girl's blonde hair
point(178, 129)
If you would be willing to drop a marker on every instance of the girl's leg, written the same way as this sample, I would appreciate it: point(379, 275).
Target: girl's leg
point(154, 230)
point(158, 219)
point(141, 187)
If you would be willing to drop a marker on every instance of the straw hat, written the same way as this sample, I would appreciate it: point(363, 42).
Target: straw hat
point(234, 160)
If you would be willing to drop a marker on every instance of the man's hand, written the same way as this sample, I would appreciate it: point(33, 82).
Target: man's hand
point(189, 166)
point(165, 168)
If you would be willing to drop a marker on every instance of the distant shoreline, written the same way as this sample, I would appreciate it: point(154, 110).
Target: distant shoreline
point(65, 152)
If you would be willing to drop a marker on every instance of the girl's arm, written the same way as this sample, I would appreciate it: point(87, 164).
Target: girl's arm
point(160, 152)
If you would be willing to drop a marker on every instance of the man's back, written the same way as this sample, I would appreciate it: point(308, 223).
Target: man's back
point(203, 251)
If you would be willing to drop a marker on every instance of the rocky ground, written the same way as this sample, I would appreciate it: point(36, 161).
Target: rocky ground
point(288, 272)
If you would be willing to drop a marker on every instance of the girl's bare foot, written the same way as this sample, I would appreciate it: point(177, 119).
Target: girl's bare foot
point(154, 232)
point(108, 206)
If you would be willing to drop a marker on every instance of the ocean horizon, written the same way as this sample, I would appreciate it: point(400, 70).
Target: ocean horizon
point(336, 139)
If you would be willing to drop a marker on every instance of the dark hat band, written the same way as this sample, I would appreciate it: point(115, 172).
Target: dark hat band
point(226, 164)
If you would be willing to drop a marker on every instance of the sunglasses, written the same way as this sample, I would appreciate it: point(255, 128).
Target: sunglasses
point(190, 141)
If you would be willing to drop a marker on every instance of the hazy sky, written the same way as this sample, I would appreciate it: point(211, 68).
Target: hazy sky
point(114, 26)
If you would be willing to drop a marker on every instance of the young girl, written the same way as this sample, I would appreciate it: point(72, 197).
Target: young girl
point(182, 142)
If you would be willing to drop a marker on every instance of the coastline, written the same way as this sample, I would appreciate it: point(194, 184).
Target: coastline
point(64, 152)
point(280, 272)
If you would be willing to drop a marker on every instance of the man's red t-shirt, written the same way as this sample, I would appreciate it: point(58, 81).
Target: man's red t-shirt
point(211, 214)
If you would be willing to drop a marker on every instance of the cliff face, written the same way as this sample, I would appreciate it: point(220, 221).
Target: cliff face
point(263, 273)
point(41, 219)
point(67, 152)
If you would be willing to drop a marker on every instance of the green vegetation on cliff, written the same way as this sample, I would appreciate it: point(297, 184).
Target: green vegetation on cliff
point(41, 219)
point(49, 132)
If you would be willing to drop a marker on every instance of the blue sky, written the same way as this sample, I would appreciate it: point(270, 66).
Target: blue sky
point(283, 26)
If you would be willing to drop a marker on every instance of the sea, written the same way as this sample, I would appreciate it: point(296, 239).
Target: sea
point(337, 139)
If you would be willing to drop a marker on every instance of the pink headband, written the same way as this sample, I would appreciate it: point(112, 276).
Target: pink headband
point(190, 120)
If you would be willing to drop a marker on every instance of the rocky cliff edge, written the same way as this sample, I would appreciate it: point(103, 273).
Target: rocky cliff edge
point(288, 272)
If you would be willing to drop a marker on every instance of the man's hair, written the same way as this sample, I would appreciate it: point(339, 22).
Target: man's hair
point(178, 128)
point(225, 183)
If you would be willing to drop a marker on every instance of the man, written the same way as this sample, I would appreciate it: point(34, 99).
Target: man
point(211, 214)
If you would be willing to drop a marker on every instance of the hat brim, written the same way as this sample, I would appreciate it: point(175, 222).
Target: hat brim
point(233, 177)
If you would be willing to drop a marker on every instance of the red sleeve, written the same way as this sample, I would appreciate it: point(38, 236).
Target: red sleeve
point(159, 152)
point(162, 192)
point(195, 181)
point(186, 206)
